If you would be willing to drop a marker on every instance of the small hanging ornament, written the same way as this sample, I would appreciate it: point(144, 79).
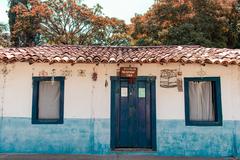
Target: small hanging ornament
point(106, 75)
point(94, 76)
point(179, 85)
point(179, 80)
point(106, 83)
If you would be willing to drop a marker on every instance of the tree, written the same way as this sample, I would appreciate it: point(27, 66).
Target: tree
point(233, 26)
point(207, 22)
point(114, 33)
point(152, 27)
point(4, 37)
point(22, 34)
point(186, 34)
point(68, 22)
point(209, 19)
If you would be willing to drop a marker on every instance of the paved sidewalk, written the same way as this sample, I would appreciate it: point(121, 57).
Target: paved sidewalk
point(96, 157)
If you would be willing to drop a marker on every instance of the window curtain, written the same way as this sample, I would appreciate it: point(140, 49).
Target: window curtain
point(201, 101)
point(49, 100)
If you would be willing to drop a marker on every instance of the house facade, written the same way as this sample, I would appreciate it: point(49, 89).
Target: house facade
point(166, 100)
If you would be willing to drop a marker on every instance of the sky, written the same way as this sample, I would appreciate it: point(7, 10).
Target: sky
point(122, 9)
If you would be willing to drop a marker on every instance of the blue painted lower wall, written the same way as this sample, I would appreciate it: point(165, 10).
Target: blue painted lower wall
point(174, 138)
point(85, 136)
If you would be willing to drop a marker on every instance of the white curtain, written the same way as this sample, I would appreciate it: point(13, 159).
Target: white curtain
point(201, 101)
point(49, 100)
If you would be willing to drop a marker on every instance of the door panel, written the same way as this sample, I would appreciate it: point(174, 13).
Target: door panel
point(143, 114)
point(132, 126)
point(123, 109)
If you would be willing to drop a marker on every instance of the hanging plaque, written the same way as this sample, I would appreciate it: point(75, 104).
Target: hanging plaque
point(179, 85)
point(128, 72)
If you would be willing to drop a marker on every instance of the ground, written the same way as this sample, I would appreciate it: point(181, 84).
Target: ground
point(96, 157)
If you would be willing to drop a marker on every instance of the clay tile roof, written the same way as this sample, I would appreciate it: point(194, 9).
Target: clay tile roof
point(132, 54)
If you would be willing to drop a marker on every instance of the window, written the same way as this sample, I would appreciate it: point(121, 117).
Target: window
point(48, 100)
point(203, 101)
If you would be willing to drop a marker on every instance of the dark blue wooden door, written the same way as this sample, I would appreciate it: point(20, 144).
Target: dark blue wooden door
point(133, 113)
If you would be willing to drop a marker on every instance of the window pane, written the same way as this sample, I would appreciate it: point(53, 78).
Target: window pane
point(49, 100)
point(201, 101)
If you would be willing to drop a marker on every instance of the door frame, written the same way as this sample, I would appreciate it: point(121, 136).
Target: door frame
point(153, 110)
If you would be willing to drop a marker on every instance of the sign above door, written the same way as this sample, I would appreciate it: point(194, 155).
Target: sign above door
point(128, 72)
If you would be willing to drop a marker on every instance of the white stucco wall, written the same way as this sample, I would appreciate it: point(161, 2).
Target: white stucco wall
point(85, 98)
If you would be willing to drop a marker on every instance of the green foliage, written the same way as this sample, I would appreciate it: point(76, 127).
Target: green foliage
point(194, 22)
point(233, 25)
point(23, 37)
point(210, 21)
point(4, 36)
point(185, 34)
point(65, 22)
point(152, 28)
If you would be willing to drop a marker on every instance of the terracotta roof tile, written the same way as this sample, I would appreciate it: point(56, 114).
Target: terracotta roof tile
point(134, 54)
